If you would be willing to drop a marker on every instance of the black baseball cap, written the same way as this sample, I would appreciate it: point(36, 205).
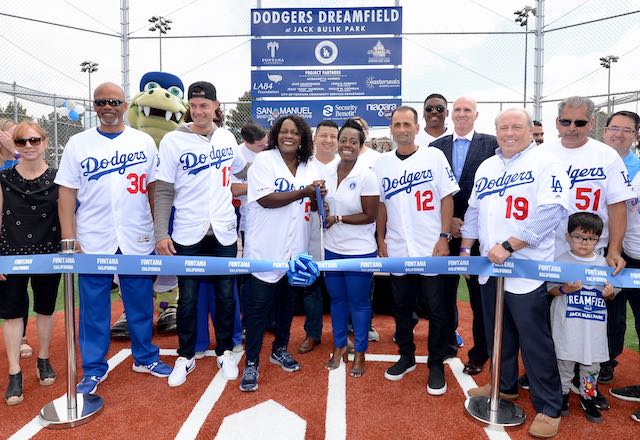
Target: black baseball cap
point(202, 89)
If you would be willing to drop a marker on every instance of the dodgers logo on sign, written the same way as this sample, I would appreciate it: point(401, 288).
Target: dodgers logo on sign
point(326, 52)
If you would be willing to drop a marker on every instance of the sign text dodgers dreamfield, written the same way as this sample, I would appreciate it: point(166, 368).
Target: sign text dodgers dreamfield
point(326, 21)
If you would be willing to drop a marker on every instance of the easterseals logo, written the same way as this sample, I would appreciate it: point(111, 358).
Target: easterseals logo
point(372, 82)
point(379, 54)
point(326, 52)
point(119, 162)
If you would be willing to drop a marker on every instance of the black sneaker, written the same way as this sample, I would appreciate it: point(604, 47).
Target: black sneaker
point(564, 411)
point(436, 385)
point(404, 365)
point(523, 381)
point(606, 373)
point(600, 401)
point(590, 410)
point(250, 377)
point(281, 357)
point(630, 393)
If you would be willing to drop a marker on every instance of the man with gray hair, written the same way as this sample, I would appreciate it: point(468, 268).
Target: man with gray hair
point(598, 179)
point(518, 200)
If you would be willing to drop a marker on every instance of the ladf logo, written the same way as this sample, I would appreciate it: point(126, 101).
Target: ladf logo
point(272, 47)
point(326, 52)
point(327, 110)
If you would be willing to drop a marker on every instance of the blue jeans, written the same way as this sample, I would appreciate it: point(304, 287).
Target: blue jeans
point(350, 296)
point(95, 319)
point(259, 298)
point(189, 287)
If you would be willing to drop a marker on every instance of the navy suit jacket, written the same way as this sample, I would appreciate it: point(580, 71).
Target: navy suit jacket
point(482, 146)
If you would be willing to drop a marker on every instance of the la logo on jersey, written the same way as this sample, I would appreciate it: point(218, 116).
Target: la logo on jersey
point(408, 180)
point(486, 186)
point(556, 186)
point(194, 163)
point(585, 174)
point(96, 168)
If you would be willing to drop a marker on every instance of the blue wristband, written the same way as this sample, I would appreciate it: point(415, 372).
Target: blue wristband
point(562, 291)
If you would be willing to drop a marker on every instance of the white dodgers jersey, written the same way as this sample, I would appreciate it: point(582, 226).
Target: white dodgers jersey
point(506, 192)
point(411, 190)
point(111, 176)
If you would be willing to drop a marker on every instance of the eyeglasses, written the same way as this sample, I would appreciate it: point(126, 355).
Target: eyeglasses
point(438, 108)
point(34, 141)
point(580, 239)
point(577, 122)
point(111, 102)
point(616, 130)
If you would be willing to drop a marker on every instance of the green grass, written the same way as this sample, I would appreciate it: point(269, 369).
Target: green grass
point(630, 338)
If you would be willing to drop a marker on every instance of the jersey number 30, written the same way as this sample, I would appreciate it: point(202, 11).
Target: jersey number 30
point(137, 183)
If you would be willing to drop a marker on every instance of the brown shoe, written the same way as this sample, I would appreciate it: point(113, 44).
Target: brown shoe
point(308, 345)
point(485, 391)
point(544, 426)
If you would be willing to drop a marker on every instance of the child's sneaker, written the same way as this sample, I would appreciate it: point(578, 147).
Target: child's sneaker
point(590, 410)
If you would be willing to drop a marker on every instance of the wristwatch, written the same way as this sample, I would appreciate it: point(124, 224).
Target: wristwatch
point(446, 235)
point(508, 247)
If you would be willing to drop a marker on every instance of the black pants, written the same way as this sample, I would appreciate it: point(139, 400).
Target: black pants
point(405, 291)
point(189, 287)
point(259, 298)
point(617, 314)
point(526, 329)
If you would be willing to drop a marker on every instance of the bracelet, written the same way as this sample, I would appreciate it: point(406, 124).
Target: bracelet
point(465, 250)
point(562, 290)
point(338, 219)
point(16, 155)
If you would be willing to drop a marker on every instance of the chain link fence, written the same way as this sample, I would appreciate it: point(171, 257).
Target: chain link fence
point(471, 48)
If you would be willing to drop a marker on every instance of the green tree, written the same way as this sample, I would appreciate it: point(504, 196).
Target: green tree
point(58, 136)
point(9, 112)
point(240, 115)
point(598, 126)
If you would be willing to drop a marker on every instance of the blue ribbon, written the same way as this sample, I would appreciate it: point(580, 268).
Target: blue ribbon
point(321, 210)
point(186, 265)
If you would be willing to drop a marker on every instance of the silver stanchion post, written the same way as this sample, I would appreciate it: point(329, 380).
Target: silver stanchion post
point(496, 411)
point(72, 409)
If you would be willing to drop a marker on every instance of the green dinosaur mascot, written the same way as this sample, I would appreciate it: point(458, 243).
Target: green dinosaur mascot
point(159, 108)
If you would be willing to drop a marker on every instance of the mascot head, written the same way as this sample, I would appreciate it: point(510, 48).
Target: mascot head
point(160, 106)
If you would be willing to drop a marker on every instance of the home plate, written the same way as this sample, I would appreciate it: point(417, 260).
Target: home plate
point(267, 420)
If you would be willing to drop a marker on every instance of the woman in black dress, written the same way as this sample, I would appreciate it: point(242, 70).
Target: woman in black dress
point(29, 225)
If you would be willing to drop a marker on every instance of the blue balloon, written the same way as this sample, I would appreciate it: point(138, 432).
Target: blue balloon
point(73, 115)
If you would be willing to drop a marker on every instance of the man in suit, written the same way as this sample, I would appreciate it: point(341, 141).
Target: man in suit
point(466, 150)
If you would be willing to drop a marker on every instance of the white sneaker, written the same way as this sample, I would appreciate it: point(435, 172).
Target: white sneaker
point(182, 367)
point(229, 367)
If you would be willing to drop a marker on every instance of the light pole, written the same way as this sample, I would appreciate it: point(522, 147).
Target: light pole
point(606, 63)
point(522, 17)
point(89, 67)
point(162, 25)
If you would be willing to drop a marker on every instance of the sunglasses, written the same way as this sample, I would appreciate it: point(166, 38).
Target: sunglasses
point(34, 141)
point(111, 102)
point(577, 122)
point(439, 108)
